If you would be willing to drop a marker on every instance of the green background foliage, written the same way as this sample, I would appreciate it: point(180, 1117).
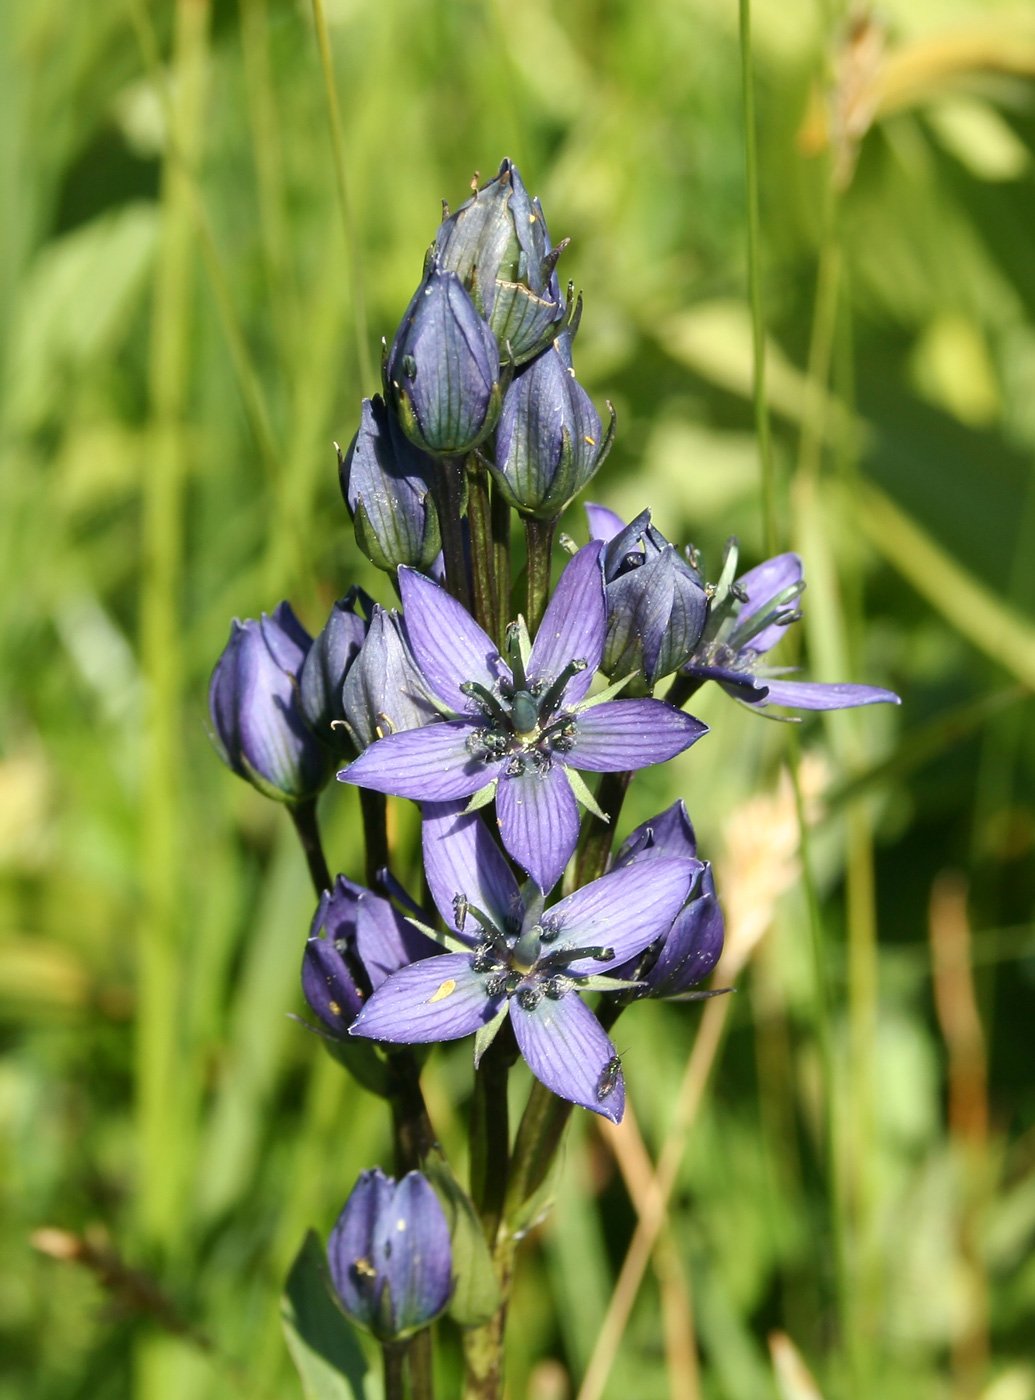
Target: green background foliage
point(187, 322)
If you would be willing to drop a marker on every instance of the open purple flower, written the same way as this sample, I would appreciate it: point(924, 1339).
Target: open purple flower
point(514, 957)
point(520, 729)
point(390, 1256)
point(746, 618)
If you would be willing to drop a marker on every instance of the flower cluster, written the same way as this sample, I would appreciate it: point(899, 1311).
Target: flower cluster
point(516, 721)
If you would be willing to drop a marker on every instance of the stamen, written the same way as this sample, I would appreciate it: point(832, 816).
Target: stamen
point(552, 698)
point(486, 702)
point(563, 956)
point(517, 665)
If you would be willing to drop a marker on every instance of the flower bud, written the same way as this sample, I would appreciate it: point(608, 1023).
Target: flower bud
point(260, 730)
point(656, 603)
point(327, 664)
point(498, 245)
point(442, 372)
point(384, 690)
point(390, 1257)
point(384, 481)
point(549, 440)
point(688, 952)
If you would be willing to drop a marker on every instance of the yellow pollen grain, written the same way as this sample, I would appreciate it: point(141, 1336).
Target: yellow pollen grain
point(365, 1269)
point(335, 1008)
point(586, 438)
point(447, 989)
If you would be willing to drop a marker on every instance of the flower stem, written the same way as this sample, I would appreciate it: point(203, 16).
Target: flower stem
point(394, 1357)
point(598, 837)
point(374, 809)
point(681, 689)
point(483, 570)
point(490, 1135)
point(500, 512)
point(307, 826)
point(447, 490)
point(539, 538)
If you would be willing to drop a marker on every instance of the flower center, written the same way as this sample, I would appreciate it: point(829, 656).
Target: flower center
point(525, 723)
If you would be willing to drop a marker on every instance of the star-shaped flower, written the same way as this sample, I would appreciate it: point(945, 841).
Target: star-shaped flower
point(519, 729)
point(516, 958)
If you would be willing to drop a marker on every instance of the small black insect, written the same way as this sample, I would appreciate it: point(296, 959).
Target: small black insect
point(609, 1077)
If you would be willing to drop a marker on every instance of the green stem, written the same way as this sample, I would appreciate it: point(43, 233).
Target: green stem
point(419, 1356)
point(539, 538)
point(765, 451)
point(447, 490)
point(308, 828)
point(500, 511)
point(682, 689)
point(483, 572)
point(490, 1134)
point(412, 1131)
point(597, 836)
point(394, 1357)
point(373, 807)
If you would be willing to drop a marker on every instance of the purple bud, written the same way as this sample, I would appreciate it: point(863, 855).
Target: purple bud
point(498, 245)
point(670, 833)
point(656, 604)
point(328, 662)
point(384, 480)
point(329, 986)
point(549, 441)
point(390, 1257)
point(442, 373)
point(384, 691)
point(260, 730)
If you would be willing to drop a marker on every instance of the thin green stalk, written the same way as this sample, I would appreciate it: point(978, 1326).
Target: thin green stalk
point(447, 491)
point(393, 1356)
point(500, 512)
point(539, 540)
point(352, 253)
point(419, 1362)
point(373, 807)
point(490, 1134)
point(483, 570)
point(304, 818)
point(765, 450)
point(597, 836)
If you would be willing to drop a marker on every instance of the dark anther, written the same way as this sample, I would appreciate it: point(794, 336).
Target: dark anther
point(529, 998)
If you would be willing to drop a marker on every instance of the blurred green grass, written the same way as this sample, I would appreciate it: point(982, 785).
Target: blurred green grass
point(182, 340)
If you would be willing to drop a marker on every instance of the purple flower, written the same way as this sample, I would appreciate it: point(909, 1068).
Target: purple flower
point(442, 373)
point(656, 602)
point(516, 958)
point(384, 480)
point(688, 950)
point(498, 245)
point(260, 730)
point(390, 1256)
point(746, 618)
point(549, 440)
point(363, 940)
point(384, 691)
point(327, 664)
point(520, 731)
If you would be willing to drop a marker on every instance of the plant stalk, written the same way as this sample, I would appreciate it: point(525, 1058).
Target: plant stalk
point(539, 539)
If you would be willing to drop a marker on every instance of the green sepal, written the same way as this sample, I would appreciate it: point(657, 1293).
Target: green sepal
point(485, 1035)
point(608, 693)
point(597, 982)
point(482, 797)
point(444, 940)
point(322, 1343)
point(583, 794)
point(476, 1295)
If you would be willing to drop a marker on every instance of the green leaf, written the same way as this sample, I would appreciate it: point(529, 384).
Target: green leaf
point(323, 1345)
point(583, 794)
point(476, 1295)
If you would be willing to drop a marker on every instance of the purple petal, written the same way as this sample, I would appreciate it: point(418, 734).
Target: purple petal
point(440, 998)
point(432, 763)
point(603, 523)
point(740, 684)
point(573, 626)
point(762, 584)
point(385, 941)
point(670, 833)
point(538, 819)
point(460, 857)
point(352, 1239)
point(624, 910)
point(286, 638)
point(627, 734)
point(693, 945)
point(814, 695)
point(568, 1050)
point(449, 646)
point(419, 1270)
